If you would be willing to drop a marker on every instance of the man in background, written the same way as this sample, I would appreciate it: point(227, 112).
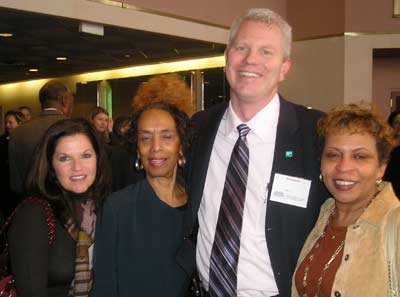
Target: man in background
point(253, 170)
point(56, 102)
point(27, 112)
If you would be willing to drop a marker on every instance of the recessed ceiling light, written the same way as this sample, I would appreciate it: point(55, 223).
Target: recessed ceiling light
point(5, 34)
point(61, 58)
point(127, 55)
point(33, 70)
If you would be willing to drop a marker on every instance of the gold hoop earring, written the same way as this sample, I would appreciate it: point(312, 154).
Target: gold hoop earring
point(321, 178)
point(138, 164)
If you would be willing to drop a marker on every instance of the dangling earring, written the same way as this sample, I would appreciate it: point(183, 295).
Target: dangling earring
point(138, 164)
point(321, 178)
point(181, 160)
point(378, 184)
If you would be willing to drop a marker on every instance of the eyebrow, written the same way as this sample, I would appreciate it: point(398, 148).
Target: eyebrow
point(149, 131)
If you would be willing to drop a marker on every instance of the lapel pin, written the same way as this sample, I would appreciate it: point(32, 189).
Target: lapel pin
point(289, 154)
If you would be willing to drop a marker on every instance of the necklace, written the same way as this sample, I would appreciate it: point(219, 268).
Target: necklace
point(326, 265)
point(331, 258)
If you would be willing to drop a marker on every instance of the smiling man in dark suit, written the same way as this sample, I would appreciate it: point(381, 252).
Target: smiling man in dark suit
point(282, 192)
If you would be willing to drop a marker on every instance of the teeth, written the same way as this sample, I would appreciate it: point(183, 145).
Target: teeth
point(157, 161)
point(248, 74)
point(344, 183)
point(77, 177)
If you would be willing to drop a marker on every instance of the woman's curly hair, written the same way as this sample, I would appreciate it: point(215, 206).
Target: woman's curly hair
point(168, 88)
point(358, 118)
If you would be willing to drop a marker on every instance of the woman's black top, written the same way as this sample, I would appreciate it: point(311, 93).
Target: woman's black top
point(40, 271)
point(137, 238)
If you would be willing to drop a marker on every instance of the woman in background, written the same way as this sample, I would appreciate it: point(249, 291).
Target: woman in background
point(101, 122)
point(70, 172)
point(347, 242)
point(121, 126)
point(141, 227)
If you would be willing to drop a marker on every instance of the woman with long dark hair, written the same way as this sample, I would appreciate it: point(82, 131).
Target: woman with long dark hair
point(70, 172)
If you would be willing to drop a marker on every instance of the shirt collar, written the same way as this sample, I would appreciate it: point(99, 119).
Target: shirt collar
point(266, 117)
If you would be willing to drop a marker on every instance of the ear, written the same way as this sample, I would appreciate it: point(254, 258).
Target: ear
point(226, 53)
point(285, 69)
point(381, 171)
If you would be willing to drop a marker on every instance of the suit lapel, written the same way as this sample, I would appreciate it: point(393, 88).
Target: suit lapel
point(288, 152)
point(201, 152)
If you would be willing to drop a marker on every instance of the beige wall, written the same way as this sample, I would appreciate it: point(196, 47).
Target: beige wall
point(372, 16)
point(358, 73)
point(316, 18)
point(220, 12)
point(316, 77)
point(386, 78)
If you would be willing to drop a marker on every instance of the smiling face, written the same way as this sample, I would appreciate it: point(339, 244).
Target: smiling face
point(11, 123)
point(74, 162)
point(350, 168)
point(255, 63)
point(100, 122)
point(158, 143)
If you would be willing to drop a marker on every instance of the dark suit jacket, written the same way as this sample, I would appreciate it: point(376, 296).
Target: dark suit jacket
point(22, 144)
point(286, 226)
point(392, 172)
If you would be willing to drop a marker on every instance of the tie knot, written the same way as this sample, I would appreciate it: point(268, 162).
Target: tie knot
point(243, 130)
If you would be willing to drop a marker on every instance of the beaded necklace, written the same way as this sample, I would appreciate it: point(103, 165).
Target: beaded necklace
point(332, 257)
point(327, 264)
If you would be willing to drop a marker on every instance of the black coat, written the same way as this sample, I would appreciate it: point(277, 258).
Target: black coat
point(287, 226)
point(392, 172)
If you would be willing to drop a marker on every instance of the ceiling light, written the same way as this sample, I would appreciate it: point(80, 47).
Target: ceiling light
point(61, 58)
point(352, 34)
point(5, 34)
point(127, 55)
point(91, 28)
point(33, 70)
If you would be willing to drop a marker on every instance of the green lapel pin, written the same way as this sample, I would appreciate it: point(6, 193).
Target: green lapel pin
point(289, 154)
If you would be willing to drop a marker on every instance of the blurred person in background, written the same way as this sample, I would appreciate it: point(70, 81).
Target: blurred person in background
point(9, 199)
point(27, 112)
point(57, 103)
point(392, 172)
point(101, 121)
point(120, 128)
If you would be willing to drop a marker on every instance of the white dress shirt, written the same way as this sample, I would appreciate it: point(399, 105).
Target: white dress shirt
point(255, 276)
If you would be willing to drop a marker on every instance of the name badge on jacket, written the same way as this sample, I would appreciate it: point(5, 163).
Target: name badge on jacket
point(290, 190)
